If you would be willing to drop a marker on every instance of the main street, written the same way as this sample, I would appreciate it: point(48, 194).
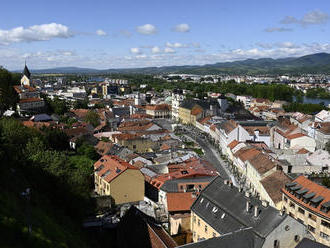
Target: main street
point(210, 153)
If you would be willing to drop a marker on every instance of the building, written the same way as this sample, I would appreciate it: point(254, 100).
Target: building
point(177, 99)
point(159, 111)
point(309, 203)
point(136, 229)
point(221, 209)
point(116, 178)
point(29, 97)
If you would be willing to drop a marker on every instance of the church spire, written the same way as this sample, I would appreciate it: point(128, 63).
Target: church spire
point(26, 71)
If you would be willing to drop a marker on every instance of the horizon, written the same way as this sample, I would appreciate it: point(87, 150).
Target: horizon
point(111, 35)
point(89, 68)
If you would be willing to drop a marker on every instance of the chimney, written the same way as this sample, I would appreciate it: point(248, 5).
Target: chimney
point(256, 211)
point(247, 194)
point(247, 206)
point(265, 204)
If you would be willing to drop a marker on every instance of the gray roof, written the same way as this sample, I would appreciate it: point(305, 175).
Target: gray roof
point(241, 239)
point(307, 243)
point(172, 185)
point(231, 213)
point(190, 103)
point(26, 72)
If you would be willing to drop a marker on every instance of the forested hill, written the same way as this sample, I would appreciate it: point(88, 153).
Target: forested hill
point(314, 63)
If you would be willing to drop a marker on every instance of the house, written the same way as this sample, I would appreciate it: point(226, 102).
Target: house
point(320, 131)
point(280, 132)
point(309, 203)
point(298, 141)
point(222, 209)
point(116, 178)
point(323, 116)
point(159, 111)
point(177, 99)
point(301, 120)
point(134, 142)
point(191, 110)
point(136, 229)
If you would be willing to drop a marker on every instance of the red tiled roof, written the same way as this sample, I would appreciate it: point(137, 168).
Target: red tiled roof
point(196, 110)
point(109, 167)
point(103, 148)
point(295, 136)
point(274, 183)
point(302, 151)
point(34, 99)
point(262, 163)
point(232, 144)
point(246, 153)
point(312, 187)
point(163, 107)
point(18, 88)
point(180, 201)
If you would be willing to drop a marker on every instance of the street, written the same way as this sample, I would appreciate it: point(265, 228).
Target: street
point(211, 154)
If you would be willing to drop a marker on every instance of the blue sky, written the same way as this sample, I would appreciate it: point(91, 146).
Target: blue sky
point(119, 34)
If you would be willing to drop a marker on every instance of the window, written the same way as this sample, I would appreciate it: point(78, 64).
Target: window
point(292, 205)
point(324, 236)
point(300, 210)
point(311, 228)
point(134, 146)
point(194, 219)
point(285, 199)
point(198, 222)
point(297, 238)
point(312, 217)
point(214, 235)
point(205, 229)
point(276, 244)
point(300, 220)
point(324, 223)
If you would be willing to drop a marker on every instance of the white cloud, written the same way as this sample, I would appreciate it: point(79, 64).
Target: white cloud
point(13, 58)
point(278, 29)
point(100, 32)
point(175, 45)
point(34, 33)
point(182, 28)
point(155, 49)
point(310, 18)
point(147, 29)
point(169, 50)
point(135, 50)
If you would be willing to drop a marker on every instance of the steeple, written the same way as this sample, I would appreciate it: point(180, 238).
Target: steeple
point(26, 71)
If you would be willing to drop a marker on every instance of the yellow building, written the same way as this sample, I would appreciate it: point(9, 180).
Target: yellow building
point(222, 209)
point(309, 203)
point(134, 142)
point(116, 178)
point(190, 112)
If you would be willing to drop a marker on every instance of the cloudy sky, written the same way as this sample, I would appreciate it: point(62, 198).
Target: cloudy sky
point(106, 34)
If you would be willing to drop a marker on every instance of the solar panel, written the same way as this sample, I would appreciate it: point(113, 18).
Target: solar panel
point(302, 191)
point(317, 199)
point(296, 187)
point(326, 204)
point(291, 184)
point(309, 195)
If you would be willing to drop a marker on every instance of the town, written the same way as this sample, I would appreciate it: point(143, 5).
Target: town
point(185, 163)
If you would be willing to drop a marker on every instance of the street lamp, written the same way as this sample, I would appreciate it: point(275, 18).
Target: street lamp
point(27, 195)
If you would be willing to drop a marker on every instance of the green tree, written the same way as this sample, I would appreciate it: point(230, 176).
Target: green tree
point(92, 118)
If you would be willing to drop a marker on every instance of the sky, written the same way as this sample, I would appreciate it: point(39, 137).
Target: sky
point(105, 34)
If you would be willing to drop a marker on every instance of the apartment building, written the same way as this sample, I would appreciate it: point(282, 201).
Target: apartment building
point(309, 203)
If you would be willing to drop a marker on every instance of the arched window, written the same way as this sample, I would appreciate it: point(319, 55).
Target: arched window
point(276, 243)
point(297, 238)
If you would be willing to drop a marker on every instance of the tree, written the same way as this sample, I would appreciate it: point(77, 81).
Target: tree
point(92, 118)
point(8, 97)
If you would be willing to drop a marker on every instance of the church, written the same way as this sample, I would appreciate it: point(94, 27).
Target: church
point(29, 97)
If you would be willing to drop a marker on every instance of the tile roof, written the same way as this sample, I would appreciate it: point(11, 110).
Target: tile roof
point(263, 131)
point(228, 126)
point(232, 144)
point(320, 191)
point(274, 183)
point(137, 229)
point(302, 151)
point(196, 110)
point(33, 99)
point(262, 163)
point(158, 107)
point(295, 136)
point(246, 153)
point(103, 148)
point(19, 88)
point(109, 167)
point(180, 201)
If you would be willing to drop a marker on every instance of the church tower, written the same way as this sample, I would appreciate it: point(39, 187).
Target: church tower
point(25, 80)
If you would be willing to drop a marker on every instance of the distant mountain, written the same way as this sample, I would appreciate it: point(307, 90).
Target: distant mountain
point(314, 63)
